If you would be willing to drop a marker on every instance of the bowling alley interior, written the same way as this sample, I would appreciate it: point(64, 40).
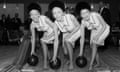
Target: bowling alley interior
point(27, 46)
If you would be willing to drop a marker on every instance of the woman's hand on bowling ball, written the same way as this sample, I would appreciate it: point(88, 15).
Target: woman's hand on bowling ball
point(33, 53)
point(53, 60)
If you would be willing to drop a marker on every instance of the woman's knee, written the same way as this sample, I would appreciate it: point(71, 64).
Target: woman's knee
point(93, 45)
point(42, 41)
point(67, 42)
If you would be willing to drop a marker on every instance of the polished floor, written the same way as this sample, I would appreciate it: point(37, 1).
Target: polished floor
point(109, 59)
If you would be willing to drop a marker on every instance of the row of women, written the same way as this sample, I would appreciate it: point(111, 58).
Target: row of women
point(71, 30)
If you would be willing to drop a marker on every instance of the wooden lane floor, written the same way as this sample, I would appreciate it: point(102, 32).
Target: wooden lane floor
point(109, 60)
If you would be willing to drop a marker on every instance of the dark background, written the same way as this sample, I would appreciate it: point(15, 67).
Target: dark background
point(114, 5)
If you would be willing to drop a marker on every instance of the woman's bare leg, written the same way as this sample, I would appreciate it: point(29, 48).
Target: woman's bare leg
point(94, 52)
point(70, 52)
point(45, 50)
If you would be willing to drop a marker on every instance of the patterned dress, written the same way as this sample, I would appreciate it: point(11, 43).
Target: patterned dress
point(66, 27)
point(48, 36)
point(95, 23)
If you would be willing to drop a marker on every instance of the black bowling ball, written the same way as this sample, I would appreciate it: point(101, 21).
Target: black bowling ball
point(33, 60)
point(55, 64)
point(81, 61)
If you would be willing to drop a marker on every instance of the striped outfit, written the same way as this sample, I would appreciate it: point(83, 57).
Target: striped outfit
point(48, 36)
point(95, 25)
point(66, 27)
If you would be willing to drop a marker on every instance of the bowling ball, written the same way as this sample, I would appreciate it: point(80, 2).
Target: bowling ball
point(81, 61)
point(32, 60)
point(55, 64)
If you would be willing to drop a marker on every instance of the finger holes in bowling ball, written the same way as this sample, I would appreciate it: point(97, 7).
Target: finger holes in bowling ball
point(81, 61)
point(33, 60)
point(55, 64)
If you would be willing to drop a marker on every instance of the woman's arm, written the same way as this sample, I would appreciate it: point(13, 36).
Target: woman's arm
point(56, 43)
point(32, 29)
point(82, 39)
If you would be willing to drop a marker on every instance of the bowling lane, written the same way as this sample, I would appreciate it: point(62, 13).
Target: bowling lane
point(109, 59)
point(7, 55)
point(64, 67)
